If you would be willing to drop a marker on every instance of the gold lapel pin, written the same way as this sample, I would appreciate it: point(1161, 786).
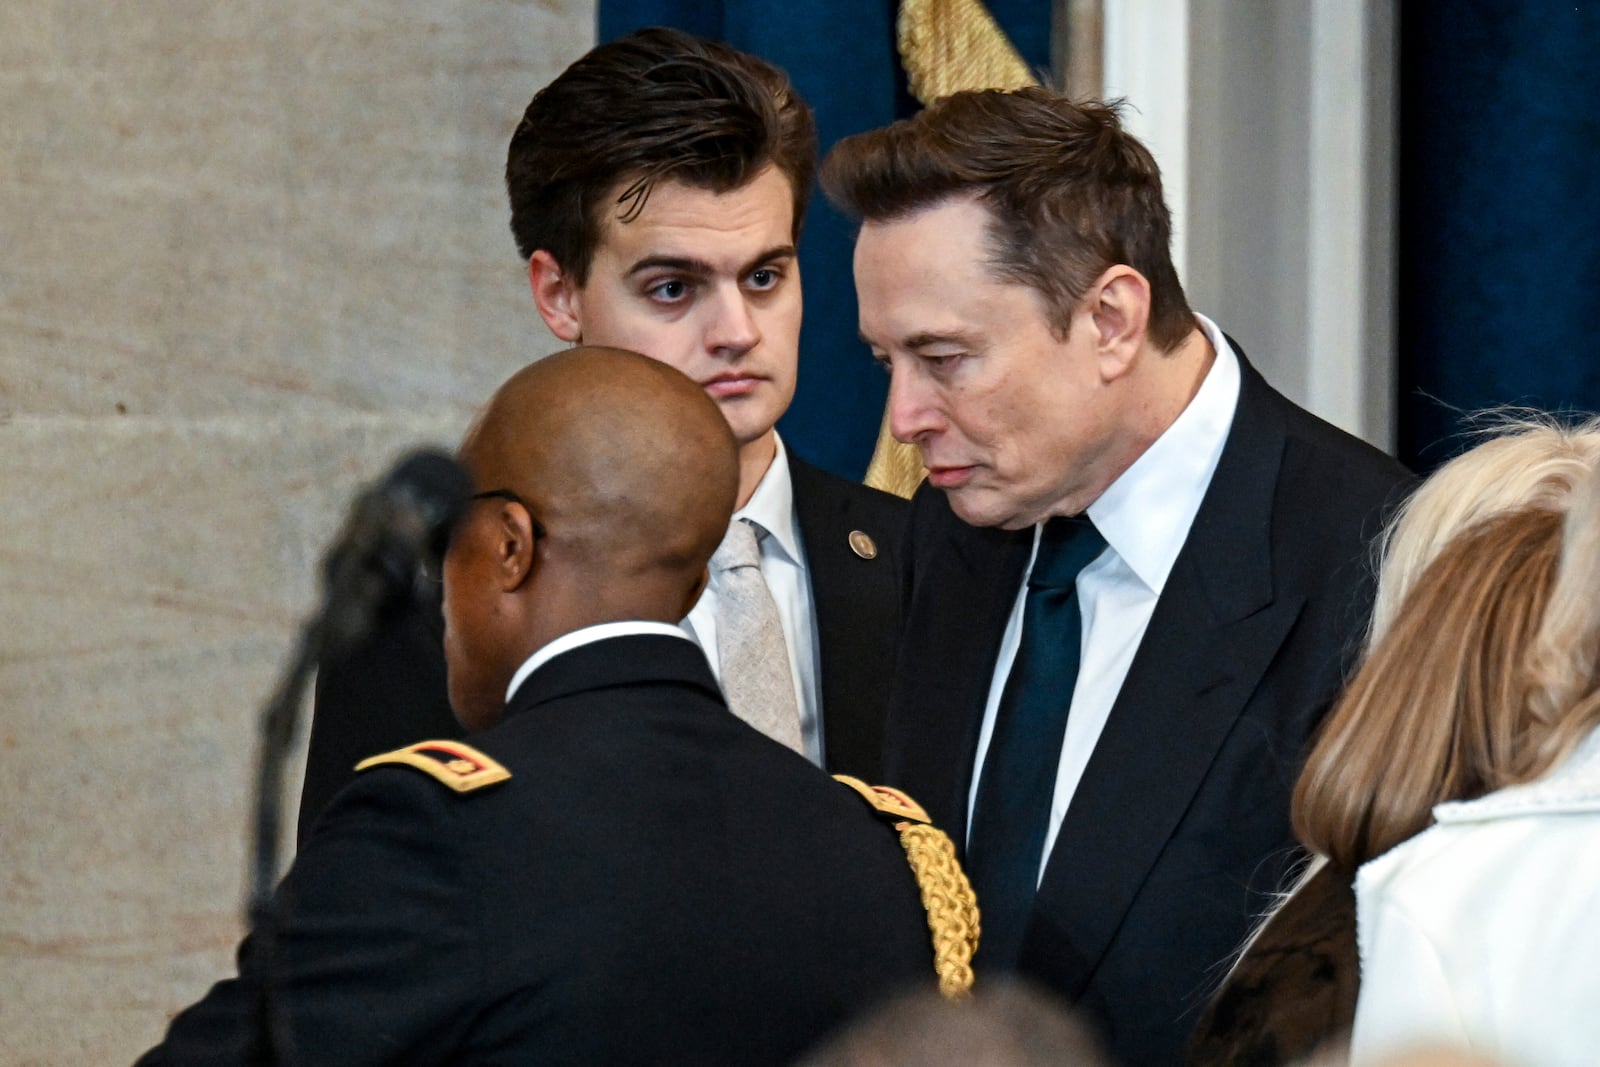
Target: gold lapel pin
point(862, 544)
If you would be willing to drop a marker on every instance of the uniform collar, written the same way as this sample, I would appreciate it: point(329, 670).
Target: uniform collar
point(588, 635)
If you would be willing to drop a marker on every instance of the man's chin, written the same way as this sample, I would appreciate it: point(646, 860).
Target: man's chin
point(749, 432)
point(977, 507)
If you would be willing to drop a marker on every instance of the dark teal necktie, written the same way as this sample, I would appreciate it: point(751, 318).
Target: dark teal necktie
point(1012, 813)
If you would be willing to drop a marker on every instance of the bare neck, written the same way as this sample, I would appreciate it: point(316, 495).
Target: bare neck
point(1160, 387)
point(755, 458)
point(1183, 375)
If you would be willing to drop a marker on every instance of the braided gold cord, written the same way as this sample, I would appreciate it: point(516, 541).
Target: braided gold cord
point(946, 46)
point(951, 905)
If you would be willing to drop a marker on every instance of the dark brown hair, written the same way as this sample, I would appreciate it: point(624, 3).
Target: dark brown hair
point(658, 104)
point(1069, 192)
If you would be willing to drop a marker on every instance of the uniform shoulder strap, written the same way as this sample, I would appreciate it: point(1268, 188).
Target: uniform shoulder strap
point(947, 896)
point(461, 767)
point(886, 801)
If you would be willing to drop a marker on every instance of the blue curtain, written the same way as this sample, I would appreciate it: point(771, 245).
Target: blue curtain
point(1499, 238)
point(841, 56)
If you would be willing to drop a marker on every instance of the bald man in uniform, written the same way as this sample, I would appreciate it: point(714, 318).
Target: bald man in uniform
point(618, 870)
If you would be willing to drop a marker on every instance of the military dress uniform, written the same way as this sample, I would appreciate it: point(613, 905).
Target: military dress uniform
point(619, 872)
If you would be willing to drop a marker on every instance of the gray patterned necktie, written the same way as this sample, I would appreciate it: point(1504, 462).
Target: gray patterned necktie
point(750, 647)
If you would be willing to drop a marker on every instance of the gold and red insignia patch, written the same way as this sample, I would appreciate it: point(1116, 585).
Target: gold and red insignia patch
point(889, 801)
point(461, 767)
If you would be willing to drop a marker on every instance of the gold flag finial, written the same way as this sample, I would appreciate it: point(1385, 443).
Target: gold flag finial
point(951, 45)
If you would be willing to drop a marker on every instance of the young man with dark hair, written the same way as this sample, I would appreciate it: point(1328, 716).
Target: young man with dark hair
point(657, 188)
point(1124, 521)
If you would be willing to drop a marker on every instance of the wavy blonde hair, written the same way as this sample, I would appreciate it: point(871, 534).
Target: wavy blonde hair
point(1439, 710)
point(1564, 667)
point(1487, 675)
point(1527, 460)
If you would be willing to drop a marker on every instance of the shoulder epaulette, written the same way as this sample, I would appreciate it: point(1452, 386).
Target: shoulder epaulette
point(461, 767)
point(947, 896)
point(887, 801)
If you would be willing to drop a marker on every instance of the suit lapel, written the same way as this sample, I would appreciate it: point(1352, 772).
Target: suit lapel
point(823, 536)
point(1213, 634)
point(845, 589)
point(819, 518)
point(955, 624)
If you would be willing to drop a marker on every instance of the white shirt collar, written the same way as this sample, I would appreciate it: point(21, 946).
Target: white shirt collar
point(1146, 513)
point(588, 635)
point(771, 506)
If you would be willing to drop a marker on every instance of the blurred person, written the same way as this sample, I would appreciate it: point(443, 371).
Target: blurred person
point(617, 870)
point(1337, 1054)
point(1122, 519)
point(1459, 780)
point(1004, 1024)
point(1294, 985)
point(1438, 1056)
point(657, 190)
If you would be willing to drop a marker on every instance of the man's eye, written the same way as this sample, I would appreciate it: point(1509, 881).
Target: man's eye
point(669, 291)
point(764, 278)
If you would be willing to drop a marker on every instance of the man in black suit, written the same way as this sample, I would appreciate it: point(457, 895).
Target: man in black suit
point(1134, 580)
point(657, 189)
point(617, 870)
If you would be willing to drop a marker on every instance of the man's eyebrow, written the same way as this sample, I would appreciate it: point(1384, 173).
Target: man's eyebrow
point(700, 268)
point(776, 252)
point(929, 338)
point(681, 264)
point(924, 339)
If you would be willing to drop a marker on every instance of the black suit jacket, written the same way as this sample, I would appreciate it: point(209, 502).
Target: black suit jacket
point(1180, 825)
point(391, 690)
point(655, 883)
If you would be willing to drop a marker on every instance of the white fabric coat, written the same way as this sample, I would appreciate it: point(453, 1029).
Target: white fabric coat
point(1483, 931)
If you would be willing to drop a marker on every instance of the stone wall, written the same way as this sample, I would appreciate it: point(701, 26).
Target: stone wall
point(248, 252)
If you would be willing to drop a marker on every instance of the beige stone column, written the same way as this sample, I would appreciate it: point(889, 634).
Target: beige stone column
point(248, 253)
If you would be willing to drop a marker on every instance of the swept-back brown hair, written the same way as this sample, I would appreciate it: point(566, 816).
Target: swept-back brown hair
point(1070, 193)
point(656, 105)
point(1441, 709)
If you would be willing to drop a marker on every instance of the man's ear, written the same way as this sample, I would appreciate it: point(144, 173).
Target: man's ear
point(557, 297)
point(1119, 305)
point(516, 546)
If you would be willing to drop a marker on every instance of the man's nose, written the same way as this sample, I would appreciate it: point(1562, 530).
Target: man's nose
point(732, 330)
point(912, 413)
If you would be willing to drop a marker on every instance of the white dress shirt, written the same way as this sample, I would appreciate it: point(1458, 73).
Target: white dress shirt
point(1144, 517)
point(783, 565)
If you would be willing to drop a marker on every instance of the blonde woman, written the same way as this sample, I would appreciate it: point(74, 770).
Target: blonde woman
point(1461, 775)
point(1295, 984)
